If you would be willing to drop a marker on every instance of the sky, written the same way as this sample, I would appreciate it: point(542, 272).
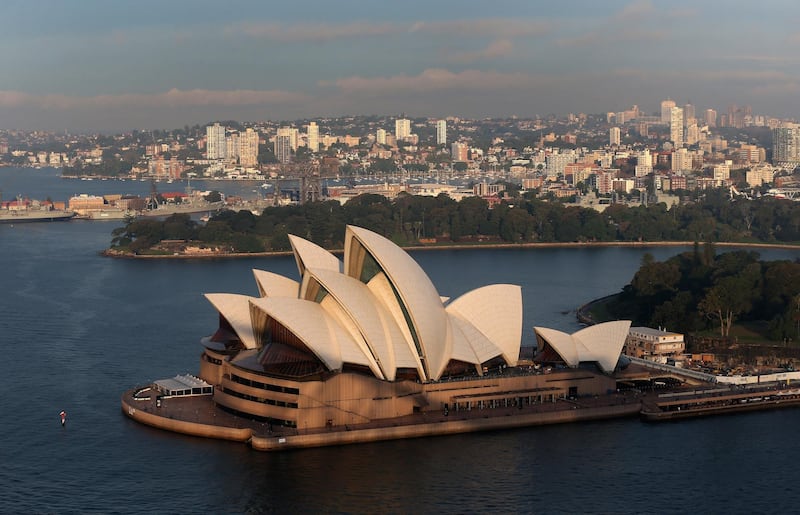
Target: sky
point(101, 65)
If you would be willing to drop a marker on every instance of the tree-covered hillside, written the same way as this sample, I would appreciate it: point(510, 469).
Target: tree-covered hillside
point(701, 290)
point(410, 219)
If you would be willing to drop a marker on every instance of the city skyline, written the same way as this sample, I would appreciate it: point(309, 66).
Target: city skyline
point(102, 66)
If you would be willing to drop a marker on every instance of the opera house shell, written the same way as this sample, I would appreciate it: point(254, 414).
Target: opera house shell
point(370, 338)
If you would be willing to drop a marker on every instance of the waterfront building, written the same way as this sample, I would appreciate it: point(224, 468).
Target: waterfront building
point(216, 146)
point(441, 132)
point(84, 202)
point(654, 344)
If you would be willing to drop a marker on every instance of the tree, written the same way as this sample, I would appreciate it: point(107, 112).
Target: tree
point(728, 298)
point(213, 196)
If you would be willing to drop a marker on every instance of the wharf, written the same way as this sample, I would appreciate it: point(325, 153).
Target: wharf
point(717, 401)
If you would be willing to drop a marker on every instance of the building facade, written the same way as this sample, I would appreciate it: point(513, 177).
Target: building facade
point(283, 145)
point(441, 132)
point(786, 145)
point(216, 146)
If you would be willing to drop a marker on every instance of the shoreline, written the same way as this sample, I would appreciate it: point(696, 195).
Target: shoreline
point(457, 246)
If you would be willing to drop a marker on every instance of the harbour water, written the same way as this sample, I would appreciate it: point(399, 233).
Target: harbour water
point(78, 329)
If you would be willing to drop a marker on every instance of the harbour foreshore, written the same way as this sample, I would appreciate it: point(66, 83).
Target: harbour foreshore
point(199, 416)
point(455, 246)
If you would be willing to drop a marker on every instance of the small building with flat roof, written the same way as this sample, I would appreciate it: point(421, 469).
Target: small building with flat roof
point(654, 344)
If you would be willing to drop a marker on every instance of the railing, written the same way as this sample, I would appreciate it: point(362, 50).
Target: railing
point(702, 376)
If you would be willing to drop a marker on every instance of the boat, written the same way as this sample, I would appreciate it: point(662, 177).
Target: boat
point(20, 211)
point(106, 214)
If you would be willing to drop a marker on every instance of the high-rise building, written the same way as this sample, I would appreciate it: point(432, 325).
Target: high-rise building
point(215, 142)
point(666, 106)
point(688, 115)
point(692, 135)
point(459, 152)
point(614, 136)
point(722, 171)
point(676, 126)
point(248, 148)
point(283, 145)
point(644, 163)
point(232, 147)
point(441, 132)
point(786, 145)
point(402, 129)
point(681, 160)
point(711, 118)
point(313, 137)
point(380, 137)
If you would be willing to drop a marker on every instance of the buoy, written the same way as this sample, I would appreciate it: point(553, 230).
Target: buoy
point(63, 418)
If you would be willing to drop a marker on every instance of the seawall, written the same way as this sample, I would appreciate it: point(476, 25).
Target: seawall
point(447, 427)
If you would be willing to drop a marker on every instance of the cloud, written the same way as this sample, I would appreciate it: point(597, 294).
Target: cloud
point(315, 32)
point(720, 77)
point(635, 11)
point(169, 99)
point(431, 80)
point(491, 27)
point(624, 26)
point(495, 50)
point(621, 35)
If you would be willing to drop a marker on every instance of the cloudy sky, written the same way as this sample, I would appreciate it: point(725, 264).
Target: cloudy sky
point(113, 65)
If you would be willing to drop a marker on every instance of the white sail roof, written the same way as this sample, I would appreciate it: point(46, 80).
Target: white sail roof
point(315, 328)
point(236, 310)
point(601, 343)
point(271, 284)
point(420, 299)
point(375, 323)
point(495, 312)
point(396, 321)
point(311, 255)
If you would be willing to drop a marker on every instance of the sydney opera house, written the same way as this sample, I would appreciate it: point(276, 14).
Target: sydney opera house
point(370, 342)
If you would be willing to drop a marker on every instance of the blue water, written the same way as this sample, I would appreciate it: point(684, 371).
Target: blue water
point(79, 329)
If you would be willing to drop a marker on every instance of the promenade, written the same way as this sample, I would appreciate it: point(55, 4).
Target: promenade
point(199, 416)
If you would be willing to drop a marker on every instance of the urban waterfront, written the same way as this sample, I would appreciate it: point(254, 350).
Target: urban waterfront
point(79, 329)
